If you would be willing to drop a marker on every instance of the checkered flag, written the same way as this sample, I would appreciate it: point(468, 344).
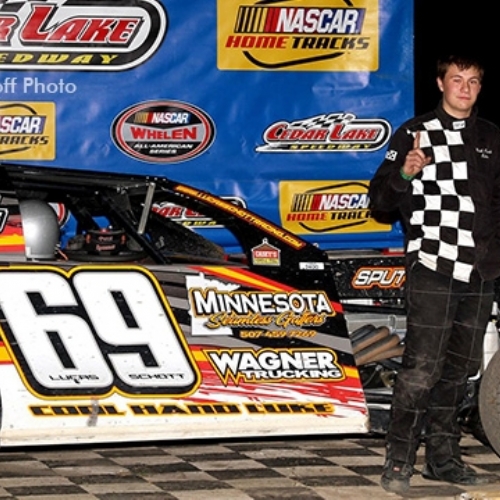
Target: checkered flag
point(444, 210)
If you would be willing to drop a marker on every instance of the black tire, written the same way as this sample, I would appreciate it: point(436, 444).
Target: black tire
point(489, 402)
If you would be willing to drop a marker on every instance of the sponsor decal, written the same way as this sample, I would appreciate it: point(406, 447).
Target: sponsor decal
point(379, 277)
point(163, 131)
point(324, 207)
point(93, 331)
point(217, 309)
point(326, 133)
point(312, 266)
point(191, 218)
point(27, 130)
point(298, 35)
point(182, 409)
point(251, 218)
point(245, 278)
point(57, 35)
point(266, 255)
point(271, 365)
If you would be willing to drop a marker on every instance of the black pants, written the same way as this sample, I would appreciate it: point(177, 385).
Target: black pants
point(446, 321)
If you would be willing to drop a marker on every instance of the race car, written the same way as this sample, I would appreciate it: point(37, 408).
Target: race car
point(134, 327)
point(120, 323)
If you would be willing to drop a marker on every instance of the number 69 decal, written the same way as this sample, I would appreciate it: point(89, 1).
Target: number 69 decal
point(93, 331)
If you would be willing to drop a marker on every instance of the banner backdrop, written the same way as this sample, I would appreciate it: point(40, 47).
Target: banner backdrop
point(282, 106)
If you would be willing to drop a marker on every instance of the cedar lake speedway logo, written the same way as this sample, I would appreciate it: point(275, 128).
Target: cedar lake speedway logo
point(325, 133)
point(107, 35)
point(298, 35)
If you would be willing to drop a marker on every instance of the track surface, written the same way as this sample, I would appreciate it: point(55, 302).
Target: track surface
point(314, 468)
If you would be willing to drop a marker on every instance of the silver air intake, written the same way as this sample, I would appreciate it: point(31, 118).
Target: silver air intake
point(40, 229)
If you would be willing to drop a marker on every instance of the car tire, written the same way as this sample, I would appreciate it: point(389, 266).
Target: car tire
point(489, 402)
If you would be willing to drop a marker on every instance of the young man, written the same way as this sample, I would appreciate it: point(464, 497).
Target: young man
point(442, 172)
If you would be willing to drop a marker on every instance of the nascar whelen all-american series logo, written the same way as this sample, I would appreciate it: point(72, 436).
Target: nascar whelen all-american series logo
point(298, 35)
point(163, 131)
point(325, 133)
point(107, 35)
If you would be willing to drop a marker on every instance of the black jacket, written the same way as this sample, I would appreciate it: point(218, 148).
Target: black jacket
point(389, 191)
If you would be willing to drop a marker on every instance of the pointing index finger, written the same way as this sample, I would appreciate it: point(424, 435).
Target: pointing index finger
point(416, 141)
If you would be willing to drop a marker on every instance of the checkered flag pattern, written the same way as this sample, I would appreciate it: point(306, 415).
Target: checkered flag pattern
point(443, 207)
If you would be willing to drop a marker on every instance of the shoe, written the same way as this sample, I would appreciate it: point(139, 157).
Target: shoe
point(452, 471)
point(396, 476)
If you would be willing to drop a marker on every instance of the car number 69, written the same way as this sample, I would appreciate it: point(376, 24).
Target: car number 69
point(92, 332)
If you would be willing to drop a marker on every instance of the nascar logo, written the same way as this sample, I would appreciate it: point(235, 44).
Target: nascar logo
point(163, 131)
point(303, 35)
point(18, 124)
point(27, 130)
point(319, 207)
point(347, 208)
point(299, 20)
point(330, 201)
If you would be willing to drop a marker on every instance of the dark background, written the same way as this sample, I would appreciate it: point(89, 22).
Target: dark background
point(445, 26)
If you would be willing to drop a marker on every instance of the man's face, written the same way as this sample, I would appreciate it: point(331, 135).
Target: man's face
point(460, 88)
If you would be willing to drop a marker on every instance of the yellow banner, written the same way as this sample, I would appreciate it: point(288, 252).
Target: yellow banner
point(320, 207)
point(298, 35)
point(27, 130)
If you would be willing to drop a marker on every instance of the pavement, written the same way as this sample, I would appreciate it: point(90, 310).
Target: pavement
point(328, 468)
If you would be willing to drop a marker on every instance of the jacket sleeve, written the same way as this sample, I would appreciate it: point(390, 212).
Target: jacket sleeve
point(387, 187)
point(490, 263)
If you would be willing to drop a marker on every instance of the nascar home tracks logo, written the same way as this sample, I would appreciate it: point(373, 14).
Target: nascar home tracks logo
point(271, 365)
point(27, 130)
point(163, 131)
point(107, 35)
point(326, 133)
point(319, 207)
point(298, 35)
